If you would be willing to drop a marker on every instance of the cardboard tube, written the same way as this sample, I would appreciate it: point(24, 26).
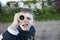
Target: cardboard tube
point(21, 17)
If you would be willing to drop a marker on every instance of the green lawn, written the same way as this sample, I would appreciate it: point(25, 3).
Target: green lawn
point(48, 17)
point(9, 18)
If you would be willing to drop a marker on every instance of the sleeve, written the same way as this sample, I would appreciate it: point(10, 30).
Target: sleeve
point(9, 34)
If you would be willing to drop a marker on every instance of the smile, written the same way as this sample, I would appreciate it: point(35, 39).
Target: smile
point(25, 25)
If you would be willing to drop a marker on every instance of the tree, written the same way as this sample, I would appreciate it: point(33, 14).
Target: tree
point(0, 9)
point(49, 2)
point(8, 3)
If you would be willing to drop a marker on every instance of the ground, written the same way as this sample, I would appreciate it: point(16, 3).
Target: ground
point(45, 30)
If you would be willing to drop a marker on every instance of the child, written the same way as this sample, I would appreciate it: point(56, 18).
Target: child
point(21, 28)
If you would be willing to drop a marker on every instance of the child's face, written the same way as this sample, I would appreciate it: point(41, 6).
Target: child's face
point(27, 23)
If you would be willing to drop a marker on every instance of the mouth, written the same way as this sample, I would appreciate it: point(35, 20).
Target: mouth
point(25, 25)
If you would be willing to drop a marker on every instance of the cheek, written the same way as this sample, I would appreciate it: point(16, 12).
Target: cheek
point(31, 22)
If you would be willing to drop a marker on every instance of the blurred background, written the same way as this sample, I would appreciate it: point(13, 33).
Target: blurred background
point(47, 16)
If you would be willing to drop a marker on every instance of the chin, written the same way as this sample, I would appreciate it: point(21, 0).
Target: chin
point(24, 29)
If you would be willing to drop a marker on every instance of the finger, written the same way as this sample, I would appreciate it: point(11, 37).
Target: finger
point(16, 18)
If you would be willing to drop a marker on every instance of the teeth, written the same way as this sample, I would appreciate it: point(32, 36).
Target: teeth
point(25, 25)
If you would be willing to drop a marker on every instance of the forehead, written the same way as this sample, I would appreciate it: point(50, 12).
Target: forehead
point(27, 14)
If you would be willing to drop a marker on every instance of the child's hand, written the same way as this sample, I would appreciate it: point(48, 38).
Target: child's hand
point(15, 23)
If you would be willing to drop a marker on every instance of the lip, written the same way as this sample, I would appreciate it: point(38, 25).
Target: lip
point(25, 25)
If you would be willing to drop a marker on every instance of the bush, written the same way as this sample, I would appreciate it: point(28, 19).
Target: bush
point(52, 9)
point(47, 13)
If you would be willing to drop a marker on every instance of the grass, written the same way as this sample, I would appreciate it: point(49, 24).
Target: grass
point(44, 17)
point(6, 18)
point(48, 17)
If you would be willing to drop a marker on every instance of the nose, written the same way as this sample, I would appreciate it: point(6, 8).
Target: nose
point(25, 21)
